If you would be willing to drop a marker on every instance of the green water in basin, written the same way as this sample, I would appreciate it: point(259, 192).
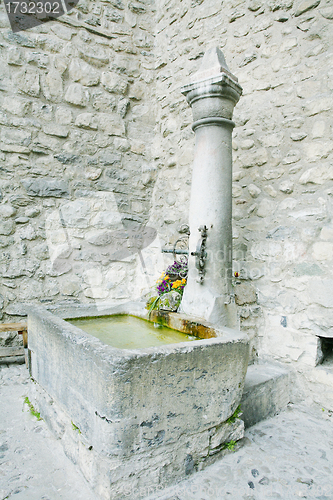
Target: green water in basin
point(128, 332)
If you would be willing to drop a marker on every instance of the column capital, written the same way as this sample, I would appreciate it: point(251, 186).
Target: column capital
point(214, 83)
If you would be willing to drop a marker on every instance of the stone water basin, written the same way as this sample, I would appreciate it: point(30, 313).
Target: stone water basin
point(136, 419)
point(129, 332)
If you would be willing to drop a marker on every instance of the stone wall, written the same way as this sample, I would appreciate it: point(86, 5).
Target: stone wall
point(77, 123)
point(281, 51)
point(94, 124)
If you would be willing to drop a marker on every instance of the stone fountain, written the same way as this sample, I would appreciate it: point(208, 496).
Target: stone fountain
point(137, 419)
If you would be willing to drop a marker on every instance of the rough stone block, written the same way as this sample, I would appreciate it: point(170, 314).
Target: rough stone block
point(233, 431)
point(322, 250)
point(266, 207)
point(86, 120)
point(266, 392)
point(13, 136)
point(319, 105)
point(55, 129)
point(46, 187)
point(80, 71)
point(149, 415)
point(245, 294)
point(327, 12)
point(306, 5)
point(6, 211)
point(15, 56)
point(77, 95)
point(28, 81)
point(16, 105)
point(111, 124)
point(7, 227)
point(114, 83)
point(52, 85)
point(317, 175)
point(63, 116)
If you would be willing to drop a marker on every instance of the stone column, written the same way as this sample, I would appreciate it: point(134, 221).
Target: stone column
point(212, 95)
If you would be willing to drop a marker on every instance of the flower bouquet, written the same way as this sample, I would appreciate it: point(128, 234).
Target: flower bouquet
point(169, 288)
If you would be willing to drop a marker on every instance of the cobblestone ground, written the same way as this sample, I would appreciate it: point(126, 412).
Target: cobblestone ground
point(33, 465)
point(286, 457)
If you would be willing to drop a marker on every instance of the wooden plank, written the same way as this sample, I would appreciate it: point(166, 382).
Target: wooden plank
point(11, 351)
point(25, 338)
point(13, 327)
point(12, 359)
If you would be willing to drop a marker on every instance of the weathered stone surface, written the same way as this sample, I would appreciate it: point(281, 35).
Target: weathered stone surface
point(100, 238)
point(63, 116)
point(21, 267)
point(245, 294)
point(28, 81)
point(27, 233)
point(76, 94)
point(254, 5)
point(322, 250)
point(318, 105)
point(16, 105)
point(327, 233)
point(59, 267)
point(327, 12)
point(148, 422)
point(227, 432)
point(251, 159)
point(14, 136)
point(266, 392)
point(7, 227)
point(298, 136)
point(317, 175)
point(57, 130)
point(111, 124)
point(318, 129)
point(15, 56)
point(236, 191)
point(265, 207)
point(319, 291)
point(93, 173)
point(6, 211)
point(114, 83)
point(80, 71)
point(46, 187)
point(86, 120)
point(286, 187)
point(306, 5)
point(170, 301)
point(52, 86)
point(94, 54)
point(254, 190)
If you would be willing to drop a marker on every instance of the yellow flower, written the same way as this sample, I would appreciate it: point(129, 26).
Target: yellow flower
point(166, 277)
point(176, 284)
point(183, 281)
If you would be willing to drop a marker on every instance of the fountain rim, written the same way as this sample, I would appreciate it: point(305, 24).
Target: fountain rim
point(57, 320)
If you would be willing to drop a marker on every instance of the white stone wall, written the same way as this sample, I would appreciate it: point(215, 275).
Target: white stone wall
point(93, 122)
point(77, 124)
point(281, 51)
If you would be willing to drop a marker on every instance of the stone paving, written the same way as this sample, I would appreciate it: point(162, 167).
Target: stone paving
point(285, 457)
point(33, 465)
